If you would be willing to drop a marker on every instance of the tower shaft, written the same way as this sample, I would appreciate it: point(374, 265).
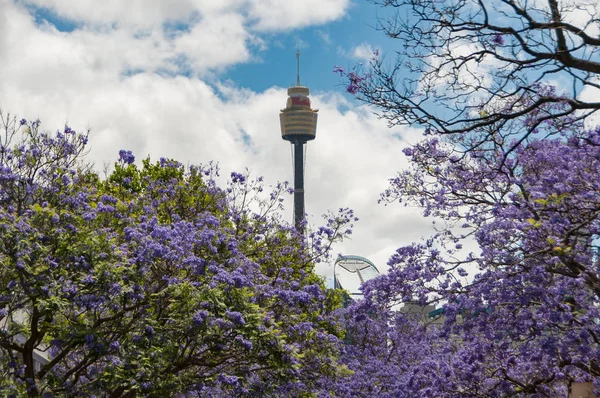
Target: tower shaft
point(298, 184)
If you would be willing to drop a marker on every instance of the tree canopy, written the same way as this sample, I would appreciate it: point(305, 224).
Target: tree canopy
point(508, 171)
point(153, 281)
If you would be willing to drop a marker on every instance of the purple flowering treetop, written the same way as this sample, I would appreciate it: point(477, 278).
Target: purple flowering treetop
point(521, 308)
point(154, 281)
point(508, 171)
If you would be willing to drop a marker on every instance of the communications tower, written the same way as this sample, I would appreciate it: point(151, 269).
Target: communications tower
point(298, 126)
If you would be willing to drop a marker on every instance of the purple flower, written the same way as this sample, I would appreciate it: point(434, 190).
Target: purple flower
point(126, 156)
point(89, 339)
point(236, 317)
point(339, 69)
point(146, 385)
point(352, 88)
point(114, 288)
point(355, 82)
point(237, 177)
point(228, 380)
point(199, 317)
point(176, 254)
point(497, 39)
point(244, 343)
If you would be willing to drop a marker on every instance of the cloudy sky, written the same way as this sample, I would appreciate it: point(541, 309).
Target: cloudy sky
point(202, 80)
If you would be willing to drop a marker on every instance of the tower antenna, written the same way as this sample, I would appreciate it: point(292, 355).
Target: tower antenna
point(298, 60)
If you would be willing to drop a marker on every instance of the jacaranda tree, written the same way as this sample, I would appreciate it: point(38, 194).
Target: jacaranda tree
point(521, 311)
point(521, 307)
point(508, 170)
point(153, 281)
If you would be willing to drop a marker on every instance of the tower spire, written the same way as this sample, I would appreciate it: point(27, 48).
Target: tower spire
point(298, 126)
point(298, 68)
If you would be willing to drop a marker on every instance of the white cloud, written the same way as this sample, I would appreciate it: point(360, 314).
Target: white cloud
point(78, 77)
point(195, 36)
point(581, 13)
point(591, 94)
point(324, 37)
point(215, 41)
point(133, 13)
point(363, 52)
point(286, 14)
point(209, 43)
point(264, 15)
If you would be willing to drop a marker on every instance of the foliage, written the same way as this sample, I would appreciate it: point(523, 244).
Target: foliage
point(153, 281)
point(508, 170)
point(521, 311)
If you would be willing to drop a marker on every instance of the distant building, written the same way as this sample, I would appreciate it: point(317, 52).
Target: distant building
point(350, 272)
point(426, 313)
point(40, 357)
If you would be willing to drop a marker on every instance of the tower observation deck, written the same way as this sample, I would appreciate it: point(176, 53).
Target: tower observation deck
point(298, 126)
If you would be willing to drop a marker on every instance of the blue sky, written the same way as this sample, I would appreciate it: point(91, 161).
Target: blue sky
point(322, 46)
point(204, 80)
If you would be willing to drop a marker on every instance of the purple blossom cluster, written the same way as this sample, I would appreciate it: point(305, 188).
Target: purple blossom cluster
point(513, 271)
point(497, 39)
point(355, 79)
point(126, 157)
point(154, 280)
